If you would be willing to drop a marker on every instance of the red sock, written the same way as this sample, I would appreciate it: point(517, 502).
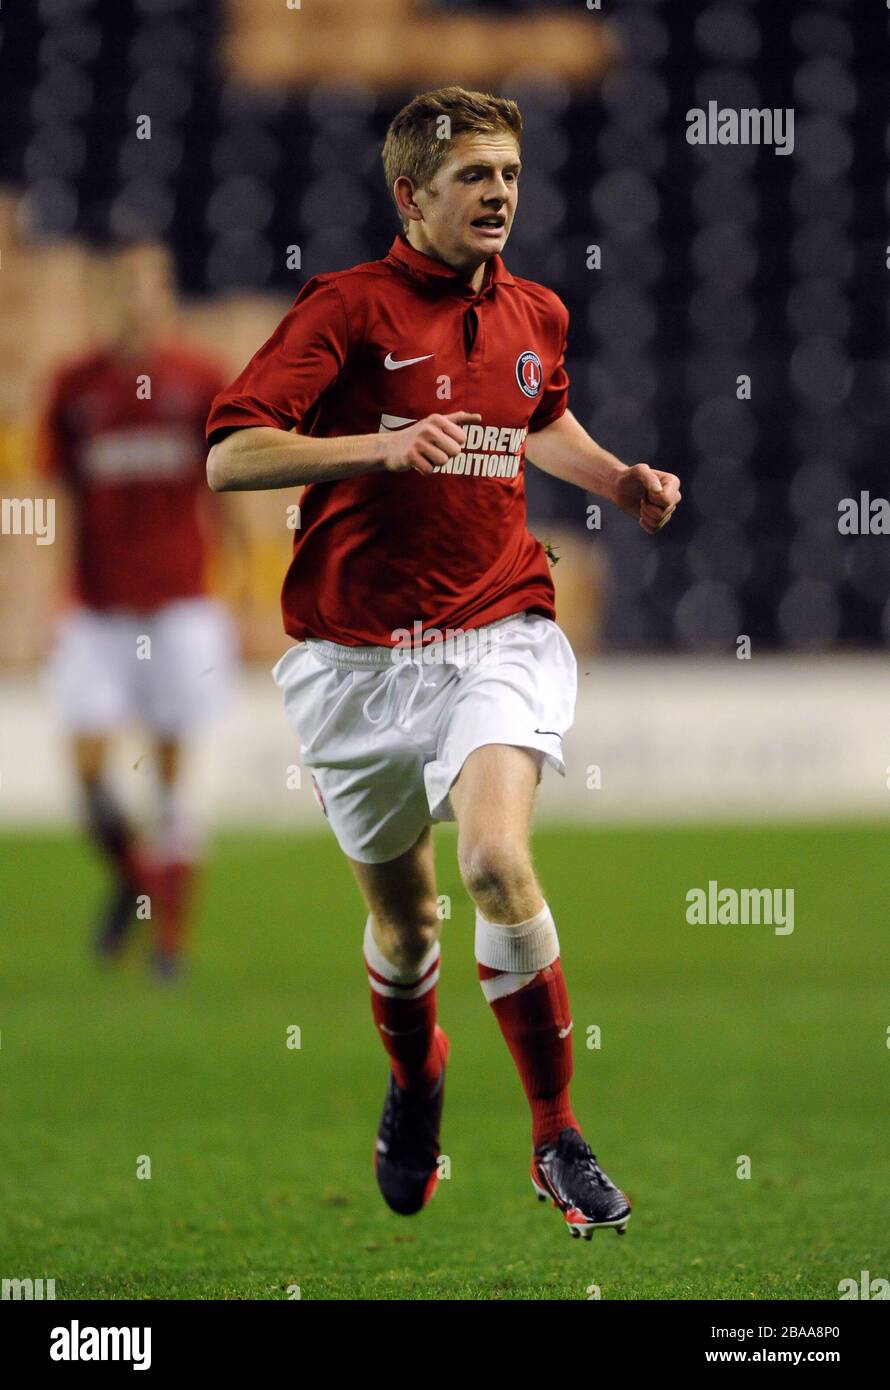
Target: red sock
point(173, 863)
point(404, 1007)
point(532, 1008)
point(173, 895)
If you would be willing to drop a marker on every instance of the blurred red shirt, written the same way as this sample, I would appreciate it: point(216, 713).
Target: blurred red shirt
point(373, 349)
point(136, 470)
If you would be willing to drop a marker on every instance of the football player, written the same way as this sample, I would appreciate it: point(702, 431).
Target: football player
point(142, 642)
point(428, 679)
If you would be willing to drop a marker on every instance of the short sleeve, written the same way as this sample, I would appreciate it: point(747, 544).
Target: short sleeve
point(285, 377)
point(555, 396)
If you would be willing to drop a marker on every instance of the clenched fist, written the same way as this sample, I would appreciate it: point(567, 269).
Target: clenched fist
point(646, 493)
point(428, 444)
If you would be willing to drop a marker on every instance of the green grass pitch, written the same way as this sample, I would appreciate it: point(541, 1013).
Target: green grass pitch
point(716, 1042)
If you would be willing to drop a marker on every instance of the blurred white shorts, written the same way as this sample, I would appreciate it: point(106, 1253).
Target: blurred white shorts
point(101, 683)
point(385, 739)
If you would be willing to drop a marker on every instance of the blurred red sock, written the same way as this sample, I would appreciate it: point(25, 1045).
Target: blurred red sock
point(175, 894)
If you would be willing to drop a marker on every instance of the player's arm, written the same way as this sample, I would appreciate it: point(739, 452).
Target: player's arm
point(52, 462)
point(254, 426)
point(565, 450)
point(63, 546)
point(264, 457)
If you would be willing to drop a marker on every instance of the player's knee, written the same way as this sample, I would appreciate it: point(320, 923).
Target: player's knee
point(407, 938)
point(494, 870)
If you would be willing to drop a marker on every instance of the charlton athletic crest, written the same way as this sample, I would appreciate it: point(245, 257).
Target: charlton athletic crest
point(529, 373)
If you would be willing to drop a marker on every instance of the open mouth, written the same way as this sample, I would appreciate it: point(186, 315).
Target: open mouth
point(492, 224)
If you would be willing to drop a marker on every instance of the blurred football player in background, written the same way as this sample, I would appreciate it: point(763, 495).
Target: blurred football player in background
point(140, 640)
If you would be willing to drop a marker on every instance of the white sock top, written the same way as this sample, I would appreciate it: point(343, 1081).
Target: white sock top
point(523, 948)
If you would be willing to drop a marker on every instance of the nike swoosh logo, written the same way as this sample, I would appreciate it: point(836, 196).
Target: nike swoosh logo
point(392, 365)
point(549, 731)
point(564, 1032)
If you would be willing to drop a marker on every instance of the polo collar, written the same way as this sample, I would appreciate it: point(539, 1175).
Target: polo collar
point(436, 273)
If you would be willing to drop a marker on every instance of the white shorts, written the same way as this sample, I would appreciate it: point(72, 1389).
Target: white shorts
point(385, 739)
point(102, 683)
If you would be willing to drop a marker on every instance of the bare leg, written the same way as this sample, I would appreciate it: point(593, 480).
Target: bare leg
point(401, 898)
point(169, 756)
point(492, 800)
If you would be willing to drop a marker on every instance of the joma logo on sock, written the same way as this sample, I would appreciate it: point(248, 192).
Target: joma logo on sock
point(76, 1343)
point(715, 906)
point(12, 1289)
point(748, 126)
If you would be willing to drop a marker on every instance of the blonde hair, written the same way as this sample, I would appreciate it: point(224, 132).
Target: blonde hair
point(414, 147)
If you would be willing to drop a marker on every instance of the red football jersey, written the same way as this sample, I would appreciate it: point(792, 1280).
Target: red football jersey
point(376, 348)
point(136, 469)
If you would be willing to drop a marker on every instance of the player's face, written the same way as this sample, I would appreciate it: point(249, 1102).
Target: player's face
point(143, 289)
point(469, 208)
